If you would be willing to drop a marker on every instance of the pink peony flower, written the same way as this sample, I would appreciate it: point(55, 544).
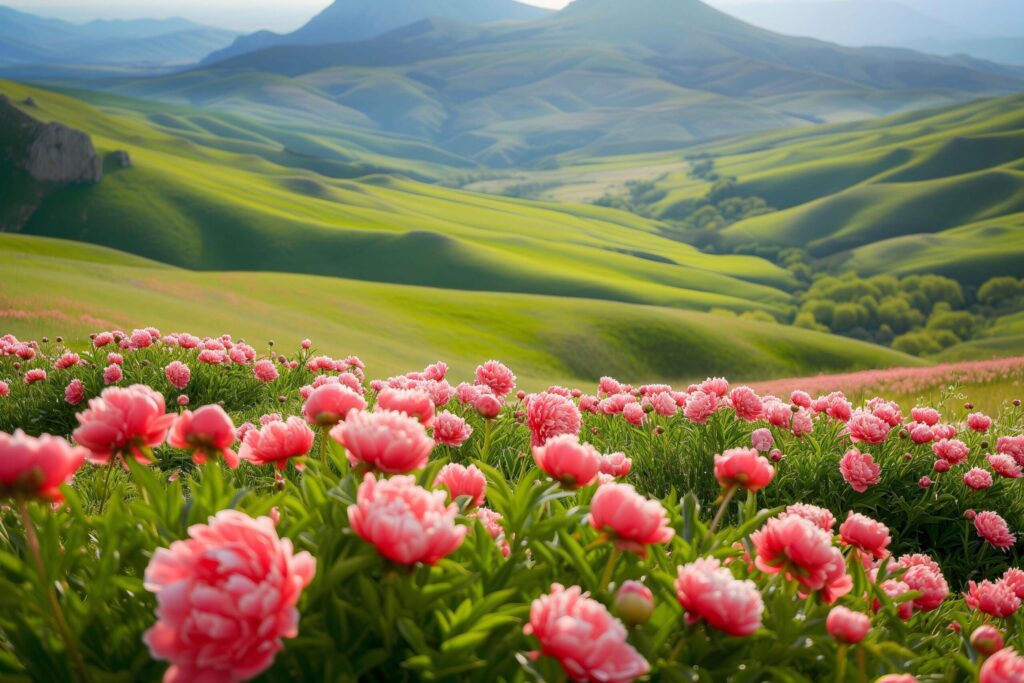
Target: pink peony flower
point(664, 404)
point(1012, 446)
point(115, 359)
point(330, 404)
point(265, 370)
point(743, 467)
point(35, 375)
point(412, 402)
point(549, 415)
point(140, 339)
point(1002, 667)
point(102, 339)
point(112, 374)
point(929, 582)
point(123, 421)
point(207, 432)
point(992, 597)
point(565, 459)
point(615, 464)
point(865, 534)
point(632, 520)
point(979, 422)
point(407, 523)
point(384, 440)
point(226, 597)
point(805, 553)
point(178, 374)
point(928, 416)
point(463, 481)
point(762, 440)
point(450, 429)
point(37, 467)
point(800, 398)
point(492, 522)
point(978, 479)
point(708, 591)
point(847, 626)
point(895, 589)
point(920, 433)
point(700, 406)
point(67, 360)
point(74, 392)
point(859, 470)
point(583, 636)
point(1014, 578)
point(5, 388)
point(951, 450)
point(277, 442)
point(1004, 465)
point(993, 528)
point(634, 414)
point(716, 386)
point(819, 516)
point(497, 377)
point(746, 403)
point(866, 427)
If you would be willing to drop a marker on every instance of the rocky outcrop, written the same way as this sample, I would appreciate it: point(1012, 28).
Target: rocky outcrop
point(121, 159)
point(49, 152)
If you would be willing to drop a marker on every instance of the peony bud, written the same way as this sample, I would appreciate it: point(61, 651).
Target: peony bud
point(634, 603)
point(986, 640)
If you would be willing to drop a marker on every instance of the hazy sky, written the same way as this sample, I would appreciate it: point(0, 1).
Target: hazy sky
point(241, 15)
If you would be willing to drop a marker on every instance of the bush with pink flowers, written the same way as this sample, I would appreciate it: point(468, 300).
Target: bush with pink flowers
point(313, 523)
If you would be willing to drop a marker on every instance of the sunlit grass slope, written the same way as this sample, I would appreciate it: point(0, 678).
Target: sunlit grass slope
point(935, 191)
point(192, 203)
point(57, 287)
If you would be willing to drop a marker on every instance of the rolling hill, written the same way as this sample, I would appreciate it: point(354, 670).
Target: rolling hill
point(56, 287)
point(935, 191)
point(26, 39)
point(190, 203)
point(600, 77)
point(347, 21)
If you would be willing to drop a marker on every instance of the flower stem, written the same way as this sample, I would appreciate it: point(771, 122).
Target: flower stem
point(726, 498)
point(323, 448)
point(841, 663)
point(51, 595)
point(106, 487)
point(606, 577)
point(488, 435)
point(862, 674)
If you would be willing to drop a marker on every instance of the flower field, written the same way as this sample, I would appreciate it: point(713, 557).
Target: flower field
point(200, 509)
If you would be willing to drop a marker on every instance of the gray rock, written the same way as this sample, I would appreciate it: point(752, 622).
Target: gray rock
point(49, 152)
point(121, 159)
point(30, 102)
point(59, 154)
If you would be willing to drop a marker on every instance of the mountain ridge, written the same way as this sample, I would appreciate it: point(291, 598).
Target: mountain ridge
point(358, 20)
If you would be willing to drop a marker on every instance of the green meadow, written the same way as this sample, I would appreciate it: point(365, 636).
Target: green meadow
point(55, 287)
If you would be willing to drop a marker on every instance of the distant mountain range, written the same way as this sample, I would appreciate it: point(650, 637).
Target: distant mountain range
point(28, 39)
point(993, 29)
point(600, 77)
point(354, 20)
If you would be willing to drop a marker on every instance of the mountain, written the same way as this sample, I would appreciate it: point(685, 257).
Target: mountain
point(894, 24)
point(356, 20)
point(26, 39)
point(600, 77)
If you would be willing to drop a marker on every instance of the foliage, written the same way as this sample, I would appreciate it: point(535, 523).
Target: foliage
point(364, 618)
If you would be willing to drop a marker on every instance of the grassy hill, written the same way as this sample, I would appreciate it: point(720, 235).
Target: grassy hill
point(189, 202)
point(936, 191)
point(55, 287)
